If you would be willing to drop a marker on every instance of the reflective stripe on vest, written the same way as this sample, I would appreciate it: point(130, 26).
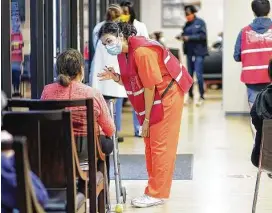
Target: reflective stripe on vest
point(143, 112)
point(256, 50)
point(255, 67)
point(180, 74)
point(136, 93)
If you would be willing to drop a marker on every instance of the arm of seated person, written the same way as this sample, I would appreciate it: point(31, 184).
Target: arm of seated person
point(9, 184)
point(104, 118)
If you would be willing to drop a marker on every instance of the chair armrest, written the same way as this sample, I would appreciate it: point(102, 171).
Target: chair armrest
point(100, 154)
point(79, 172)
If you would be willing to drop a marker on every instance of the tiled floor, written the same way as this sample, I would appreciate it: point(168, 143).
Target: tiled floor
point(223, 177)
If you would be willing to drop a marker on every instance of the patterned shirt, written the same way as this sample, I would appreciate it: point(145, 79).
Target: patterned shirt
point(75, 91)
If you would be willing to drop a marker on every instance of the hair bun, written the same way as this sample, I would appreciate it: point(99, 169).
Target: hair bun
point(64, 80)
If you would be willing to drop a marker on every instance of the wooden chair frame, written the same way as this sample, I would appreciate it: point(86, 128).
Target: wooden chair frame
point(94, 149)
point(27, 201)
point(265, 160)
point(70, 153)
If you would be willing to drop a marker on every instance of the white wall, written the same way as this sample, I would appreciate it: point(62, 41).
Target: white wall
point(234, 92)
point(211, 11)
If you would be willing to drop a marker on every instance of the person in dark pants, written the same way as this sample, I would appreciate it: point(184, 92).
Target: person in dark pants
point(16, 77)
point(195, 47)
point(261, 109)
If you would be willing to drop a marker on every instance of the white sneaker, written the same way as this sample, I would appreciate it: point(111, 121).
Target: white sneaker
point(146, 201)
point(200, 102)
point(188, 101)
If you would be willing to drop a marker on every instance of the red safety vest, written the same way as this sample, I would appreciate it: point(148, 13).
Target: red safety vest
point(256, 51)
point(17, 47)
point(134, 86)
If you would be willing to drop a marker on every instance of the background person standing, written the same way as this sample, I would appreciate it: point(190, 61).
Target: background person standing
point(195, 48)
point(109, 89)
point(254, 49)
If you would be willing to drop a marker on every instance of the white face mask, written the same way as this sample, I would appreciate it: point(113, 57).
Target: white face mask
point(162, 39)
point(116, 48)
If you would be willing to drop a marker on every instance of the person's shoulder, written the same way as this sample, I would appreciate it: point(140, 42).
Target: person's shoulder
point(51, 86)
point(98, 26)
point(138, 25)
point(144, 51)
point(263, 94)
point(200, 20)
point(90, 91)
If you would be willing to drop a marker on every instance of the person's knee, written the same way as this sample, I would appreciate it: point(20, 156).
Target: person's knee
point(106, 144)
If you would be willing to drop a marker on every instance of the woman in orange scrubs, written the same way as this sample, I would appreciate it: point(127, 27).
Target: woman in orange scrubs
point(161, 139)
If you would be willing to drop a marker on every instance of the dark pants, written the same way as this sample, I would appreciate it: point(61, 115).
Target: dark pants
point(16, 80)
point(195, 64)
point(16, 74)
point(106, 144)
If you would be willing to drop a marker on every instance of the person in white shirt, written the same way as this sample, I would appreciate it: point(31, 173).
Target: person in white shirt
point(130, 17)
point(101, 59)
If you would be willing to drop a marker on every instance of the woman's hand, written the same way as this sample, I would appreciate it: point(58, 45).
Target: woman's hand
point(145, 129)
point(108, 74)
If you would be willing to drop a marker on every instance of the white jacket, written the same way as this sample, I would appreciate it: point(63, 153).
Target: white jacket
point(102, 58)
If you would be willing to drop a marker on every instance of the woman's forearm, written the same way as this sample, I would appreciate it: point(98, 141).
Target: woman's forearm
point(117, 78)
point(149, 94)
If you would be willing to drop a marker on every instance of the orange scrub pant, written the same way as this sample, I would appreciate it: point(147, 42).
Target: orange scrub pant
point(161, 146)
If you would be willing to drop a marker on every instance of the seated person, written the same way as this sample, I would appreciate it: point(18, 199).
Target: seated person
point(8, 177)
point(69, 86)
point(262, 109)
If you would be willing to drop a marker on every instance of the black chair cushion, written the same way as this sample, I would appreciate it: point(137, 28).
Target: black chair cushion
point(25, 77)
point(57, 201)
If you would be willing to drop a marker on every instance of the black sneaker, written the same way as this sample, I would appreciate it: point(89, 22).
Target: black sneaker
point(120, 139)
point(137, 135)
point(269, 175)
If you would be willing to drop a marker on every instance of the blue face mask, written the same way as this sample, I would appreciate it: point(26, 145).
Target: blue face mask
point(114, 49)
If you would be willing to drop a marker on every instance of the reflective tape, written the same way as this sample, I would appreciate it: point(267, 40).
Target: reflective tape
point(255, 67)
point(143, 112)
point(135, 93)
point(179, 76)
point(256, 50)
point(167, 59)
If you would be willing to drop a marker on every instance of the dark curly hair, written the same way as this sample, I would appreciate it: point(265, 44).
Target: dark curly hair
point(190, 8)
point(115, 29)
point(69, 64)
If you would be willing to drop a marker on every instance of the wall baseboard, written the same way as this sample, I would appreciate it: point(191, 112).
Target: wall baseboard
point(246, 114)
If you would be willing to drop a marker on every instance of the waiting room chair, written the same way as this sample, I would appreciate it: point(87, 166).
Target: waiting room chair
point(52, 155)
point(96, 166)
point(265, 162)
point(28, 202)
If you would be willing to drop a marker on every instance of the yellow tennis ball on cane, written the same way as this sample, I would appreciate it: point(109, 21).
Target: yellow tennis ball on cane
point(119, 208)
